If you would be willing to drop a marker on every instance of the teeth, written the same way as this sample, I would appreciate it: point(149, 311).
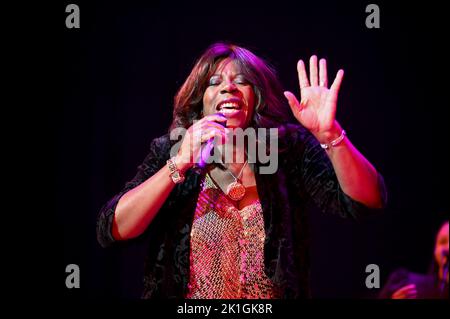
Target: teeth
point(228, 111)
point(229, 105)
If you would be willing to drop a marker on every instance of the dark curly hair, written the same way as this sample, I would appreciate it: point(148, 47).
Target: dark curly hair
point(271, 109)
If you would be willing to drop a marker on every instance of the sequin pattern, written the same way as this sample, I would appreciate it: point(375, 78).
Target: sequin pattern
point(227, 245)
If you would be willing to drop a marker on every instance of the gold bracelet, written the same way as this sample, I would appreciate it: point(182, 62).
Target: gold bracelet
point(175, 174)
point(334, 142)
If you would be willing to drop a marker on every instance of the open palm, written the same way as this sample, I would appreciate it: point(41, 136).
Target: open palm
point(317, 108)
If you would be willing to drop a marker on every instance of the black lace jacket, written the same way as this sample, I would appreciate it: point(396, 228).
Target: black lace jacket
point(304, 173)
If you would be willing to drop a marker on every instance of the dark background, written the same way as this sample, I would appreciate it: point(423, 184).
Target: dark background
point(122, 68)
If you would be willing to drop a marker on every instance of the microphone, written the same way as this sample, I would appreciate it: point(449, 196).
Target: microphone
point(207, 150)
point(205, 153)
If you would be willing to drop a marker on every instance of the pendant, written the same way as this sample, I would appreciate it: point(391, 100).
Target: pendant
point(236, 191)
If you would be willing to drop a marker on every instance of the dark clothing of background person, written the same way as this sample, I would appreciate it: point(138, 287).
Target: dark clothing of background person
point(427, 286)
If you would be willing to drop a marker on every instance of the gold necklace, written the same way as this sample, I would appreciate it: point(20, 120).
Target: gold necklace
point(236, 190)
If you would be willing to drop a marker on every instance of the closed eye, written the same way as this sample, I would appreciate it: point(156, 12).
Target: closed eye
point(241, 80)
point(215, 80)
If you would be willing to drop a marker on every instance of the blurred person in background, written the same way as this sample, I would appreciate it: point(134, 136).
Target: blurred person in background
point(404, 284)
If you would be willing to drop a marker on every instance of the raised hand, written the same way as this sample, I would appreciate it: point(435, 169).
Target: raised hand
point(317, 108)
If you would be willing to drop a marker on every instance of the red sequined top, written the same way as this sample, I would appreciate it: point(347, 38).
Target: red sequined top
point(227, 248)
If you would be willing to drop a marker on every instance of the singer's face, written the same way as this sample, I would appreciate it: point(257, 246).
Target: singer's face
point(229, 93)
point(441, 249)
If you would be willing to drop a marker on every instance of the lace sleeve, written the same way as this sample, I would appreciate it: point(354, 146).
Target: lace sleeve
point(317, 178)
point(159, 152)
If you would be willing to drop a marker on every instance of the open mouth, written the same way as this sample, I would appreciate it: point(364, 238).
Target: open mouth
point(229, 106)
